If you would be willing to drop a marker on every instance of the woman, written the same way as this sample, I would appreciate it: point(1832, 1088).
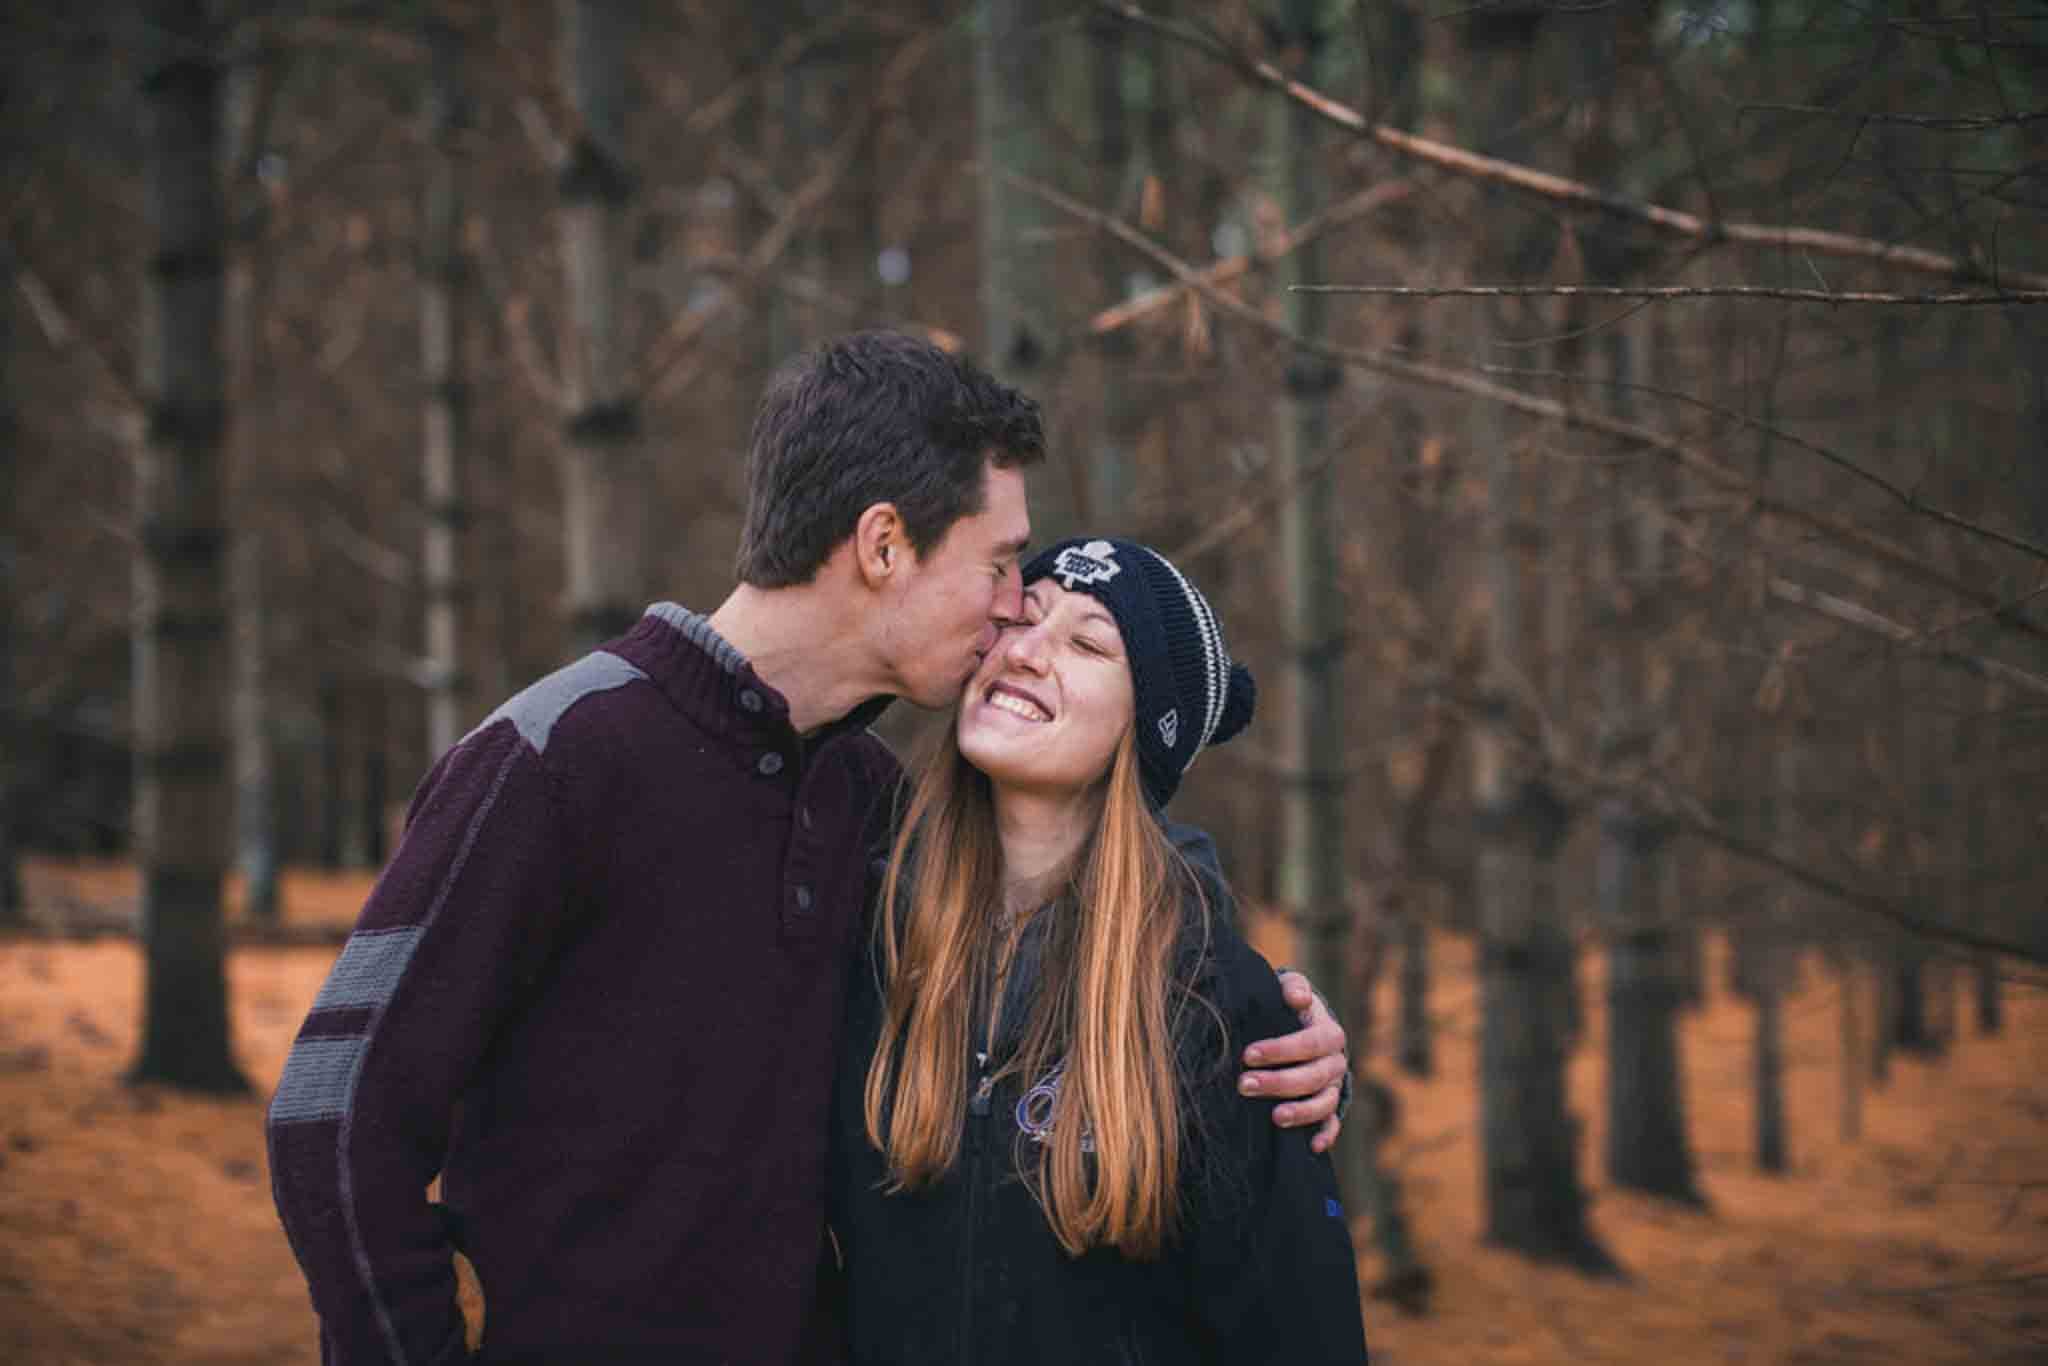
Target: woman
point(1040, 1155)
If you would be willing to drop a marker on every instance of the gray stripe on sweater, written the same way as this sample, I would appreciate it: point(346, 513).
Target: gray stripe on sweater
point(369, 968)
point(697, 630)
point(536, 710)
point(318, 1076)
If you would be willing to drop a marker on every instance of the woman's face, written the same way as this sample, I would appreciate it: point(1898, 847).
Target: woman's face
point(1050, 702)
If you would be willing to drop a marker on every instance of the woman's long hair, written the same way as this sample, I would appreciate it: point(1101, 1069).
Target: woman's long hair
point(1106, 1005)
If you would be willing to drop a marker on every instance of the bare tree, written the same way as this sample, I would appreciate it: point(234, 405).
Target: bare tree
point(1533, 1198)
point(253, 88)
point(605, 512)
point(1014, 45)
point(10, 693)
point(1314, 860)
point(181, 788)
point(1119, 164)
point(1647, 1144)
point(444, 310)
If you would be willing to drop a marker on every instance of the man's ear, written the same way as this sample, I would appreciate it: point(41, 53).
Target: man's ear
point(880, 547)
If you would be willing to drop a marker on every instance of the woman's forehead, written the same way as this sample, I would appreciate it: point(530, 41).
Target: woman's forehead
point(1070, 602)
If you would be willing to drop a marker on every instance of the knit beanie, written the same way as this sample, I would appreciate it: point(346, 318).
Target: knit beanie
point(1187, 690)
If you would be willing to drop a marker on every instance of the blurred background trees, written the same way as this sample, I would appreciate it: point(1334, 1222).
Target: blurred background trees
point(1689, 578)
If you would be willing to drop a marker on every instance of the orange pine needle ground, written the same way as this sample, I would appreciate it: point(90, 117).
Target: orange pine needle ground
point(136, 1225)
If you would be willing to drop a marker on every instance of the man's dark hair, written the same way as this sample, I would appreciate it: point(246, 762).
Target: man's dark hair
point(875, 417)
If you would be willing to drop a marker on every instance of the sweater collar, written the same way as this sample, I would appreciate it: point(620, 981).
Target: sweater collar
point(712, 683)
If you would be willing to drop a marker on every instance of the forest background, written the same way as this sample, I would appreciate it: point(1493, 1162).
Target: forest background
point(1616, 433)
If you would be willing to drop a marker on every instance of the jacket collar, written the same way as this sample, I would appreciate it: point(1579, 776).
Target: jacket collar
point(711, 682)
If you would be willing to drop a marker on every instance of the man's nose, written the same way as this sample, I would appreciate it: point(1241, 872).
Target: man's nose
point(1009, 604)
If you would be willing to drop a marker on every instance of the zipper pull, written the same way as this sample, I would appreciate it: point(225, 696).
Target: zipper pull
point(979, 1104)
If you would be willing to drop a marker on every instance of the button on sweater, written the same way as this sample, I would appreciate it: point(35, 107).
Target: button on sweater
point(598, 990)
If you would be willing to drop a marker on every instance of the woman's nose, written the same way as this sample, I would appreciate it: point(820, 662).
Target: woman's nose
point(1024, 646)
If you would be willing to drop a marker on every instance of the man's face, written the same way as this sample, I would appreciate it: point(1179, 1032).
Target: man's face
point(945, 609)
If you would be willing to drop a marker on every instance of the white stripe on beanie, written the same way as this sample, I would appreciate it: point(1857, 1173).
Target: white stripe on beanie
point(1215, 663)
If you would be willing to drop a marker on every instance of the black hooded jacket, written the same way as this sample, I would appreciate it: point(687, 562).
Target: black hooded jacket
point(1260, 1269)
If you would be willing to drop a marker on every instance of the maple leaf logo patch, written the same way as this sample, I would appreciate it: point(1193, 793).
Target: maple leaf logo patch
point(1094, 562)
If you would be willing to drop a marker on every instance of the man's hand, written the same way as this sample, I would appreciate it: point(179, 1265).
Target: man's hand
point(1306, 1067)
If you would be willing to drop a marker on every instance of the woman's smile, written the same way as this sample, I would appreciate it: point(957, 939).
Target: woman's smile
point(1017, 702)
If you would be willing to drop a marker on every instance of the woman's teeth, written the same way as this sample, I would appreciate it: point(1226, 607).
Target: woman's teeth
point(1018, 706)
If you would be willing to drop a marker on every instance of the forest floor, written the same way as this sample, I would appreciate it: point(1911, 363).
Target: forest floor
point(136, 1224)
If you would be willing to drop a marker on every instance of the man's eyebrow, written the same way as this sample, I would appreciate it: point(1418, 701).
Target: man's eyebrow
point(1016, 547)
point(1098, 614)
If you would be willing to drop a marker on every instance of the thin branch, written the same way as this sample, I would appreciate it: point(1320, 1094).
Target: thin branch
point(514, 310)
point(1911, 501)
point(1563, 189)
point(541, 134)
point(1658, 292)
point(1690, 818)
point(366, 553)
point(63, 332)
point(1957, 123)
point(712, 114)
point(1343, 214)
point(2004, 608)
point(1631, 435)
point(1864, 619)
point(683, 333)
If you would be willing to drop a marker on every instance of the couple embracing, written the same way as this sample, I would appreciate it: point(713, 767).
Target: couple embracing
point(731, 1042)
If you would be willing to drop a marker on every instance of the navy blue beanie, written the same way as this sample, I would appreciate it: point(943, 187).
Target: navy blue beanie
point(1187, 690)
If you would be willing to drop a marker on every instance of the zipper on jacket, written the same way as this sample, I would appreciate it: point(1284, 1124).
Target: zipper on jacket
point(979, 1106)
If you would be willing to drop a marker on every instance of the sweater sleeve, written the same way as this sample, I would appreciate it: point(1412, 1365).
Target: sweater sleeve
point(1271, 1270)
point(462, 916)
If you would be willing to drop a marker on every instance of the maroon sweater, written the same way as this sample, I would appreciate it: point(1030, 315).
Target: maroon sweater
point(598, 989)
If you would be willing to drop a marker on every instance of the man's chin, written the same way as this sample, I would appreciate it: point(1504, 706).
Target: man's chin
point(939, 697)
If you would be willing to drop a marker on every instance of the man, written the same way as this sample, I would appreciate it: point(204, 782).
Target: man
point(598, 988)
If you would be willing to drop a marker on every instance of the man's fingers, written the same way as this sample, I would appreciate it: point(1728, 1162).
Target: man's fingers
point(1308, 1080)
point(1302, 1113)
point(1326, 1135)
point(1324, 1038)
point(1296, 991)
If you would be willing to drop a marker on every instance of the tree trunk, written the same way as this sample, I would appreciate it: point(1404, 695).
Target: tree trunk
point(1853, 1061)
point(1764, 942)
point(1313, 862)
point(1990, 1006)
point(1413, 1046)
point(252, 90)
point(255, 743)
point(1015, 51)
point(182, 801)
point(13, 727)
point(1314, 880)
point(605, 504)
point(1533, 1200)
point(444, 312)
point(1393, 38)
point(333, 776)
point(1647, 1145)
point(1769, 1078)
point(1909, 1016)
point(1121, 424)
point(1909, 1000)
point(376, 781)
